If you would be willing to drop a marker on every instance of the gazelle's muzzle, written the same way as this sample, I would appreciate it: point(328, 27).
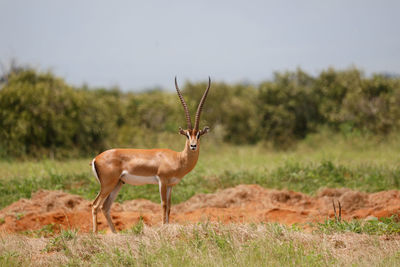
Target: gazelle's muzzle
point(193, 147)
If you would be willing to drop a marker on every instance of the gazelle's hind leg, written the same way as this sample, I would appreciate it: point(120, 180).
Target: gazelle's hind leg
point(98, 202)
point(107, 205)
point(94, 212)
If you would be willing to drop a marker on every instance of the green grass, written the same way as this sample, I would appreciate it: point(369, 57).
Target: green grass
point(382, 226)
point(307, 178)
point(366, 164)
point(361, 164)
point(201, 244)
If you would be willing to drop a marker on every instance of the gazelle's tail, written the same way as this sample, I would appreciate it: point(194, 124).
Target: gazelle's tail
point(93, 163)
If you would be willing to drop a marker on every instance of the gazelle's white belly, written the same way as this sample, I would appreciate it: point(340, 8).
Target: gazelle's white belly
point(138, 180)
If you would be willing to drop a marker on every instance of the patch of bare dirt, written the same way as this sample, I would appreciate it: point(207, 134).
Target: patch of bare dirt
point(243, 203)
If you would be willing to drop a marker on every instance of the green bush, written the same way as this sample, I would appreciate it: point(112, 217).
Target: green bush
point(42, 116)
point(288, 107)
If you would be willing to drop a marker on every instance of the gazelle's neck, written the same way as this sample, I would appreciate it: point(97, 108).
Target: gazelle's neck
point(189, 157)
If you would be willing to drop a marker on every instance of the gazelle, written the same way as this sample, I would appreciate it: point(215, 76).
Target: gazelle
point(164, 167)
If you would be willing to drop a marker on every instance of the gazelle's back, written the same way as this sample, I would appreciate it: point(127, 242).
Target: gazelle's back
point(143, 162)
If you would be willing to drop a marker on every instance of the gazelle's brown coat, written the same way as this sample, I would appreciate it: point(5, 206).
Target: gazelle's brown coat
point(164, 167)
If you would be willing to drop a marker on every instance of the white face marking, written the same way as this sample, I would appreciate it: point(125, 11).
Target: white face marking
point(138, 180)
point(193, 143)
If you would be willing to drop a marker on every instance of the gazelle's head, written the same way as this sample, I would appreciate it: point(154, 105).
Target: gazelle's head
point(193, 134)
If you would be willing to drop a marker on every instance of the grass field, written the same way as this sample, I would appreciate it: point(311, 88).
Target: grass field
point(202, 245)
point(361, 163)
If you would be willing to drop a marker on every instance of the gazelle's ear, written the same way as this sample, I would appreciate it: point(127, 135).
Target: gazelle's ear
point(205, 130)
point(181, 131)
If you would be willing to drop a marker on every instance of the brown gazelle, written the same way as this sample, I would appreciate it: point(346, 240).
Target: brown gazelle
point(164, 167)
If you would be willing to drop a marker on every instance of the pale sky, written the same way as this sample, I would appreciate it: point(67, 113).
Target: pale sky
point(143, 44)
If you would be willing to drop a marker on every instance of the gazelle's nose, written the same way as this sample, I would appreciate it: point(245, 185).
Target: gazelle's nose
point(193, 147)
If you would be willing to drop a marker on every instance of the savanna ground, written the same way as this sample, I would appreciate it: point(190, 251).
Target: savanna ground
point(364, 165)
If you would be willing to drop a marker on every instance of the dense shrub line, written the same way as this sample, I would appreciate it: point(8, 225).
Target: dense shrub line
point(41, 115)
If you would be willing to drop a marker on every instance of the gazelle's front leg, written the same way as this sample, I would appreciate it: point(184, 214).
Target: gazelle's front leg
point(169, 191)
point(163, 196)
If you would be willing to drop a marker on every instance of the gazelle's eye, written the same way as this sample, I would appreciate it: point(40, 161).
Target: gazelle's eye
point(198, 135)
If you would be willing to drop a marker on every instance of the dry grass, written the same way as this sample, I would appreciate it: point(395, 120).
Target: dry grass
point(202, 245)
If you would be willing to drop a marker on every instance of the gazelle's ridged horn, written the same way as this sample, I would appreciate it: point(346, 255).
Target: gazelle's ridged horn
point(188, 120)
point(200, 107)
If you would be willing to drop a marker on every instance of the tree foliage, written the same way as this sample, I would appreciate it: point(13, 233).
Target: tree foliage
point(41, 115)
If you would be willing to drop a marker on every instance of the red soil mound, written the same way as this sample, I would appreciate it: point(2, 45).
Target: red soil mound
point(243, 203)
